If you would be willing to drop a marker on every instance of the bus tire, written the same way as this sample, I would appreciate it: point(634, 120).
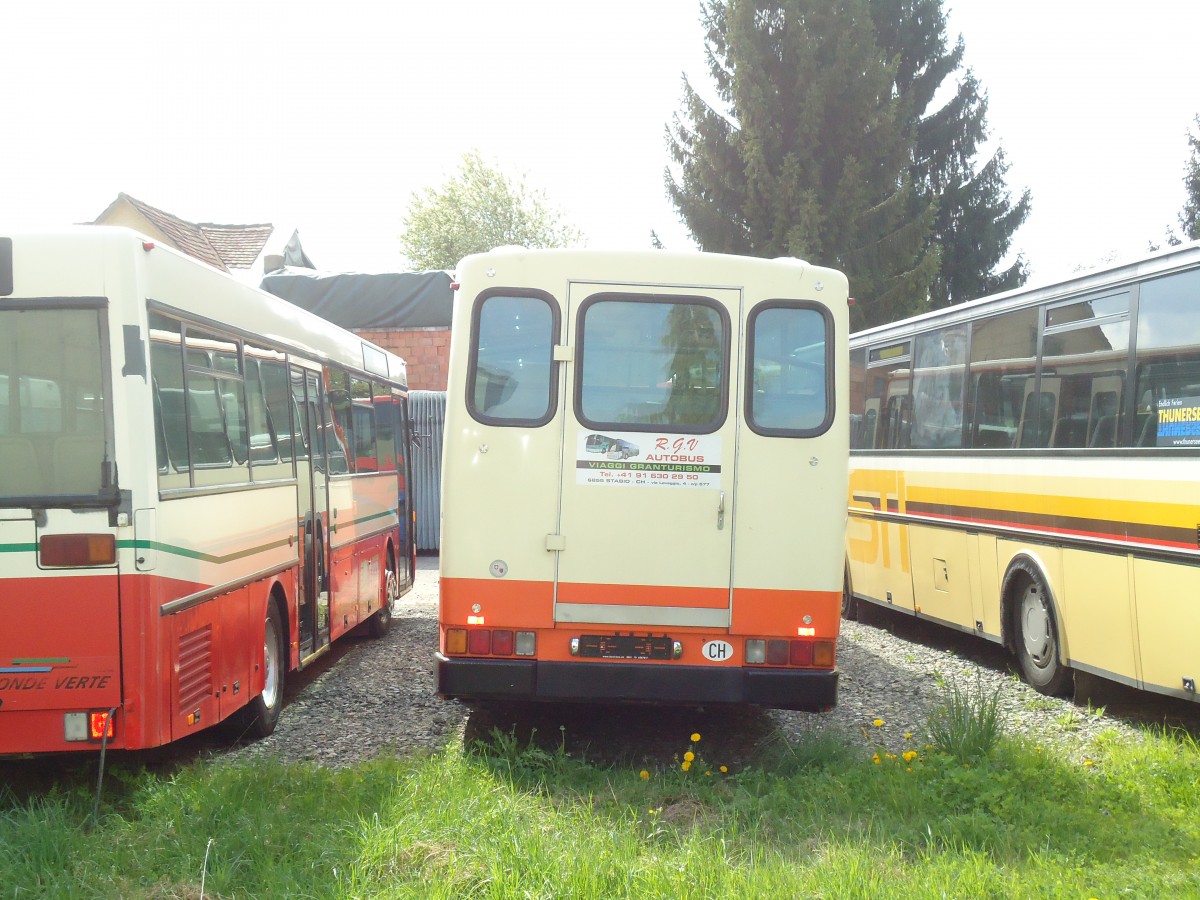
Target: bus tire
point(261, 715)
point(380, 623)
point(849, 603)
point(1035, 636)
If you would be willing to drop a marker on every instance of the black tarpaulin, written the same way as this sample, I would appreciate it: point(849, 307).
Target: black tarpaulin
point(360, 300)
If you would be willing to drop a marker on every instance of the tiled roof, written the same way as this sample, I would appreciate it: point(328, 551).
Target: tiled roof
point(223, 246)
point(237, 245)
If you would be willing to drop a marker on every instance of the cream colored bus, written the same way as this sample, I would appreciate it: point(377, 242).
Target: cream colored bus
point(1026, 468)
point(643, 479)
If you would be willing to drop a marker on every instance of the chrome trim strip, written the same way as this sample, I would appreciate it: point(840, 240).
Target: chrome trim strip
point(613, 614)
point(182, 603)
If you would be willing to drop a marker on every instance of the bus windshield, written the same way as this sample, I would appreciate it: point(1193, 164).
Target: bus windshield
point(52, 404)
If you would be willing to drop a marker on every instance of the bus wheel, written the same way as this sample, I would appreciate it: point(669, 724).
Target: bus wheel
point(261, 714)
point(1037, 637)
point(379, 623)
point(849, 604)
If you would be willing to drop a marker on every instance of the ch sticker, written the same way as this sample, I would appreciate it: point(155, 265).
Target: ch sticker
point(718, 651)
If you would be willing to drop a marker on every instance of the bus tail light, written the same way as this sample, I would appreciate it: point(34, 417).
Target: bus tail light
point(74, 550)
point(490, 642)
point(479, 641)
point(502, 643)
point(100, 725)
point(777, 653)
point(95, 725)
point(823, 654)
point(801, 653)
point(756, 652)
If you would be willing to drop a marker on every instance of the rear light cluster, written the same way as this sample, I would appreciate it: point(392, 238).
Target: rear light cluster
point(813, 654)
point(490, 642)
point(96, 725)
point(74, 550)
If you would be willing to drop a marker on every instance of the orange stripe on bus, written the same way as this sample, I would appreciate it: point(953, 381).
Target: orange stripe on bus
point(771, 612)
point(527, 604)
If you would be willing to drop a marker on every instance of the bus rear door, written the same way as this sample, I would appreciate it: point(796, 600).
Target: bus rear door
point(648, 465)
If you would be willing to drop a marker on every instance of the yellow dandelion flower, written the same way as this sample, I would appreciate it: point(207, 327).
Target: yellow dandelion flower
point(875, 758)
point(878, 723)
point(686, 764)
point(695, 737)
point(908, 735)
point(708, 773)
point(910, 755)
point(1088, 762)
point(724, 768)
point(689, 756)
point(644, 775)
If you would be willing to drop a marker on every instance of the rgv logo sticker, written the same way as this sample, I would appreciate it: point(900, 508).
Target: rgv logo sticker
point(648, 459)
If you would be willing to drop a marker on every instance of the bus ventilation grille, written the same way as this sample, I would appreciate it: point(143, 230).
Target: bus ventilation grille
point(195, 668)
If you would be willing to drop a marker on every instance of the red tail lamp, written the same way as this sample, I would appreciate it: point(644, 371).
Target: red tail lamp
point(75, 550)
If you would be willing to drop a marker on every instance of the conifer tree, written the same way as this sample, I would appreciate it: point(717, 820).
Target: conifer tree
point(806, 152)
point(1189, 217)
point(976, 216)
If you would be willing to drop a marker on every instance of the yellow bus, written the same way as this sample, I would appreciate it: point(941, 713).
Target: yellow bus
point(1025, 468)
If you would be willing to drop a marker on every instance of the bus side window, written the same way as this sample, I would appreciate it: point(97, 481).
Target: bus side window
point(885, 392)
point(166, 371)
point(366, 458)
point(338, 430)
point(1168, 362)
point(283, 424)
point(1003, 355)
point(262, 444)
point(938, 388)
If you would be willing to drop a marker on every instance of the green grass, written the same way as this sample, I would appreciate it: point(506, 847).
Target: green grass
point(819, 818)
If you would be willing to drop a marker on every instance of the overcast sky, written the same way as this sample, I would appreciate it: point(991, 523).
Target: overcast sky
point(326, 117)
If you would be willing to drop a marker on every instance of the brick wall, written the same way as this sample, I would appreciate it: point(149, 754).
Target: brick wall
point(426, 350)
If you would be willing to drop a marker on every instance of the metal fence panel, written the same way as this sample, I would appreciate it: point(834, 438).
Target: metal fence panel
point(428, 412)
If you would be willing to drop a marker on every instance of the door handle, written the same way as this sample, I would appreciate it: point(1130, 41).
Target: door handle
point(721, 512)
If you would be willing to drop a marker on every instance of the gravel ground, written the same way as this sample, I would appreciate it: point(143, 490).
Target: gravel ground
point(377, 696)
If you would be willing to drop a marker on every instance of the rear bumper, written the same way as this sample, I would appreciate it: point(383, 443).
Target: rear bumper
point(511, 679)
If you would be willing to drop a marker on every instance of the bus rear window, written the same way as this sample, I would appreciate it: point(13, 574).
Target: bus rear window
point(652, 364)
point(790, 385)
point(511, 378)
point(52, 403)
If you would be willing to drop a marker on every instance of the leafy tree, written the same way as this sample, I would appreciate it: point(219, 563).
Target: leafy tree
point(1189, 218)
point(976, 216)
point(806, 154)
point(477, 209)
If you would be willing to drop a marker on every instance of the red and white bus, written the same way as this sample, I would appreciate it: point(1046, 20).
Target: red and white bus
point(201, 487)
point(643, 479)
